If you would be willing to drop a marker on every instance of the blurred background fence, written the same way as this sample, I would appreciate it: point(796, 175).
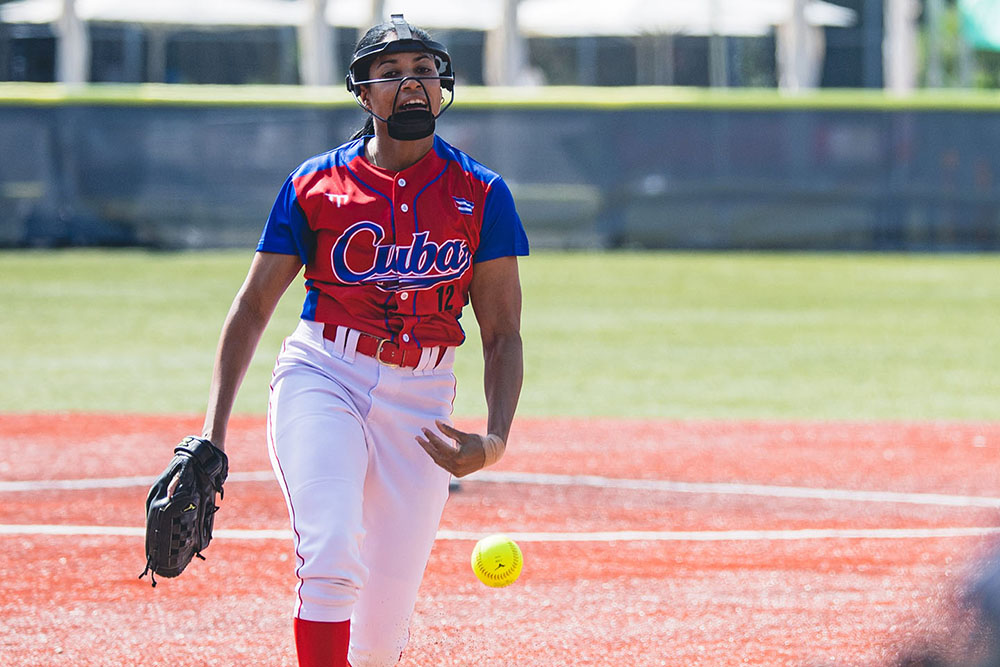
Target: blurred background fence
point(623, 167)
point(800, 124)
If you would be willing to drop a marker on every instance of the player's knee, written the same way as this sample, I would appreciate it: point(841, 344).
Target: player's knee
point(326, 599)
point(331, 574)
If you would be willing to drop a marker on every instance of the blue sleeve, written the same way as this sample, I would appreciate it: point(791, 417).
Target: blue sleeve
point(503, 233)
point(287, 231)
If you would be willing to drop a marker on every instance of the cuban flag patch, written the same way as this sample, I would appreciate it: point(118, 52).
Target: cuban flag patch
point(464, 205)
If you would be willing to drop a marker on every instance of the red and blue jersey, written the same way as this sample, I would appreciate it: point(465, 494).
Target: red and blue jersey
point(392, 253)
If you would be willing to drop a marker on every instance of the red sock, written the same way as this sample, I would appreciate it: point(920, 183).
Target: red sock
point(322, 644)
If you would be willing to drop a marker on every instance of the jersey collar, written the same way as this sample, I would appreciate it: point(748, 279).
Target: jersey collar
point(422, 172)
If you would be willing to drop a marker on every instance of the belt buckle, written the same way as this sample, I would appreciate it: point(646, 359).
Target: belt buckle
point(378, 353)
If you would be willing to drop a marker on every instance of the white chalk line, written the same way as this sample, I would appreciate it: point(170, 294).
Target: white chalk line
point(601, 536)
point(592, 481)
point(738, 489)
point(113, 482)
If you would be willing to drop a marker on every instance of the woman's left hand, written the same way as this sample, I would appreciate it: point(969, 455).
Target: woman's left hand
point(464, 457)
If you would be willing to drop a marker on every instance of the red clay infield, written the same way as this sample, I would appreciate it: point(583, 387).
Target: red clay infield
point(645, 543)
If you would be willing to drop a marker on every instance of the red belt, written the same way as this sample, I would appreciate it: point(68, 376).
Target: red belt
point(384, 350)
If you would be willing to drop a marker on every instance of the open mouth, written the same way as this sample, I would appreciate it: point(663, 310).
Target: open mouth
point(413, 105)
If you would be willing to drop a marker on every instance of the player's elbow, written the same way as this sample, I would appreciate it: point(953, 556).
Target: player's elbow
point(501, 338)
point(504, 346)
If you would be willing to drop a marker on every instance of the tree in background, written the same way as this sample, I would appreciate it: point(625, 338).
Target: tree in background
point(961, 44)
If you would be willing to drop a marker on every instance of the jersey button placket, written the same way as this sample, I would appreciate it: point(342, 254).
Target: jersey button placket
point(404, 208)
point(401, 183)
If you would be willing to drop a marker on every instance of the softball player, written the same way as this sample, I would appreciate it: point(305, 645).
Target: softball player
point(397, 231)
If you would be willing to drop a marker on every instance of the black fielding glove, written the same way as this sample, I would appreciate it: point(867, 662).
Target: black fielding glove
point(179, 527)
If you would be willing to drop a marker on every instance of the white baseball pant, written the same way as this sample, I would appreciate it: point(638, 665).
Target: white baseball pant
point(364, 499)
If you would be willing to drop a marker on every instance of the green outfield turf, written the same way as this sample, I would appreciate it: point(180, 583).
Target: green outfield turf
point(675, 335)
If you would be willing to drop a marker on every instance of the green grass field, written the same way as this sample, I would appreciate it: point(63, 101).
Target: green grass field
point(32, 94)
point(674, 335)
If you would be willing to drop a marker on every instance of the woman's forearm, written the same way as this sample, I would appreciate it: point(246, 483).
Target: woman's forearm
point(503, 373)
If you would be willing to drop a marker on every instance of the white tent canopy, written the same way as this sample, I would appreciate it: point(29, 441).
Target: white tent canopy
point(438, 15)
point(567, 18)
point(169, 12)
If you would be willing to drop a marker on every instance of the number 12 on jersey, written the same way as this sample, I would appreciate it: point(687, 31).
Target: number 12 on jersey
point(445, 292)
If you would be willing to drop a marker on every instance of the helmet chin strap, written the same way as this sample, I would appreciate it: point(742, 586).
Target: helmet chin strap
point(413, 124)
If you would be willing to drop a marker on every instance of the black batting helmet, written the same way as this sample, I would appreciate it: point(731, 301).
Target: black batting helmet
point(357, 73)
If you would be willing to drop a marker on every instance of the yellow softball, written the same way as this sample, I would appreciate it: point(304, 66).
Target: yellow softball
point(497, 561)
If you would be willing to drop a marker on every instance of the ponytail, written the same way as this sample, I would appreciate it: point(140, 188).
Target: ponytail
point(367, 130)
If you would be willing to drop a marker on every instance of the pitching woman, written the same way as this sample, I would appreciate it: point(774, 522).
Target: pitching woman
point(397, 231)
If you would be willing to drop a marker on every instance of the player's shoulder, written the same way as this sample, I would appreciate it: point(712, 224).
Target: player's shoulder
point(469, 165)
point(332, 159)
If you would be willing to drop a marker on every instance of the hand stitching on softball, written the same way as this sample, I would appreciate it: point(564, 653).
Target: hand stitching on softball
point(466, 456)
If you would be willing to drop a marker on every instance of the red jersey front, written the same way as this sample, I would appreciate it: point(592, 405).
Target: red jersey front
point(392, 253)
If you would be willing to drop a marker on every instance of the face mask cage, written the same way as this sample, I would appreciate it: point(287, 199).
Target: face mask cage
point(357, 73)
point(362, 62)
point(445, 74)
point(410, 124)
point(402, 80)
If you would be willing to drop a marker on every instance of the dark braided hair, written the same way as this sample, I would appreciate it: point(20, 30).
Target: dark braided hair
point(376, 35)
